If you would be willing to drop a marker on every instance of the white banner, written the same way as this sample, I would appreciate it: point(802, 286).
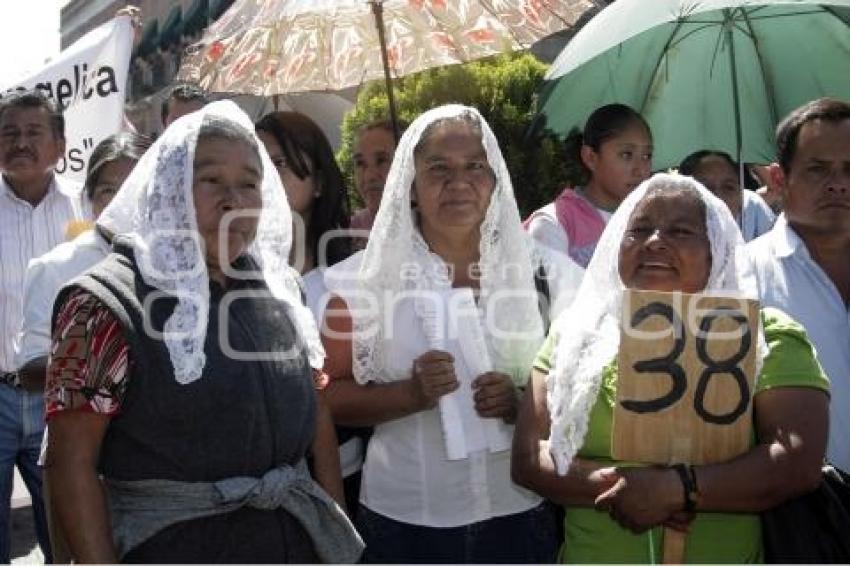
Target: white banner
point(88, 80)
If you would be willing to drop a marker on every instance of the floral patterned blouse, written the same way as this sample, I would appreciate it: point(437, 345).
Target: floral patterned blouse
point(89, 360)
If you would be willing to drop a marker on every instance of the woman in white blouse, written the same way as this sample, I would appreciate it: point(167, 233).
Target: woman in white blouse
point(430, 335)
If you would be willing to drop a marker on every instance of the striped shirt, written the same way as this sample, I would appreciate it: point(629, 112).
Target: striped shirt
point(27, 232)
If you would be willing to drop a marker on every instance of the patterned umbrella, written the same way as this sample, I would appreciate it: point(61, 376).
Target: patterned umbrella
point(267, 47)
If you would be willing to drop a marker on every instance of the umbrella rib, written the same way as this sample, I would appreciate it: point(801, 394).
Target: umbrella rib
point(716, 50)
point(708, 23)
point(767, 16)
point(736, 103)
point(736, 21)
point(743, 30)
point(658, 63)
point(790, 14)
point(692, 32)
point(771, 102)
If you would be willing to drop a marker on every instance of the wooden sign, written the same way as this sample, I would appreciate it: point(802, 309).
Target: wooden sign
point(686, 376)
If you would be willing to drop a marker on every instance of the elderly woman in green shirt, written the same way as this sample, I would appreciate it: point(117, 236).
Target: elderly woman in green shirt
point(670, 234)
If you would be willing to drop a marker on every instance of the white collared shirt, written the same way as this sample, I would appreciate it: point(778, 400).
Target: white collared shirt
point(789, 279)
point(26, 232)
point(46, 275)
point(757, 217)
point(408, 476)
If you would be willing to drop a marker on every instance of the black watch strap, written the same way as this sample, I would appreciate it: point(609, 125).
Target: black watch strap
point(689, 486)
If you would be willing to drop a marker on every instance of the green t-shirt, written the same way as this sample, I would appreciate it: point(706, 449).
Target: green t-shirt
point(592, 536)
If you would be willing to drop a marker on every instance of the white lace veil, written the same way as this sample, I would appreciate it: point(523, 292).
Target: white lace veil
point(508, 295)
point(589, 331)
point(155, 208)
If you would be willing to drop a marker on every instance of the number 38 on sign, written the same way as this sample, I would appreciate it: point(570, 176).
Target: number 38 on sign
point(686, 374)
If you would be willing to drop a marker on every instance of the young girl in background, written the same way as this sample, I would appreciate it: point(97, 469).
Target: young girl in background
point(615, 152)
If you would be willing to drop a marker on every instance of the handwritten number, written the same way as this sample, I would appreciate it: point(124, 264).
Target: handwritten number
point(667, 364)
point(728, 366)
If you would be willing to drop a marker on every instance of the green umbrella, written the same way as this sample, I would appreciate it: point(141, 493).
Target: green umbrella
point(715, 74)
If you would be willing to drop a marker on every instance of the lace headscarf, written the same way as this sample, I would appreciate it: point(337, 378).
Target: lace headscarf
point(506, 263)
point(588, 332)
point(156, 210)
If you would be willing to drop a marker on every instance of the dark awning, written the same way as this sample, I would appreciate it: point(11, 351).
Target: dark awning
point(172, 28)
point(218, 7)
point(150, 38)
point(196, 16)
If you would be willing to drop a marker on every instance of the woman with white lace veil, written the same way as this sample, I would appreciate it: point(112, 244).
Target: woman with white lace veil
point(430, 336)
point(670, 234)
point(181, 398)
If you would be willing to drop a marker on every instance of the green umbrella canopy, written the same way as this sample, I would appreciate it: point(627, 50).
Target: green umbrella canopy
point(712, 74)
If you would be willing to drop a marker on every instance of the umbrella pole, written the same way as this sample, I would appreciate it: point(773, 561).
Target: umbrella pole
point(378, 11)
point(736, 103)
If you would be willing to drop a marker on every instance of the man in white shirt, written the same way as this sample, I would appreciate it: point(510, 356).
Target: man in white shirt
point(803, 263)
point(35, 207)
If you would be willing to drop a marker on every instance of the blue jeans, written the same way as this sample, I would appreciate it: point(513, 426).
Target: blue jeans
point(21, 429)
point(530, 537)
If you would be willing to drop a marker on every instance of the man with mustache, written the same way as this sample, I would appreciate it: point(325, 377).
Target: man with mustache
point(803, 263)
point(35, 206)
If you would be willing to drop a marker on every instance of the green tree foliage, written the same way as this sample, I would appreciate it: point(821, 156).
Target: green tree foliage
point(501, 88)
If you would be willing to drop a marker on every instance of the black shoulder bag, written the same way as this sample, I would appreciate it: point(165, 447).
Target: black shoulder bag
point(812, 528)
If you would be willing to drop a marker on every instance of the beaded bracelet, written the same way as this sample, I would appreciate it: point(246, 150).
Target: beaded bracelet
point(689, 484)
